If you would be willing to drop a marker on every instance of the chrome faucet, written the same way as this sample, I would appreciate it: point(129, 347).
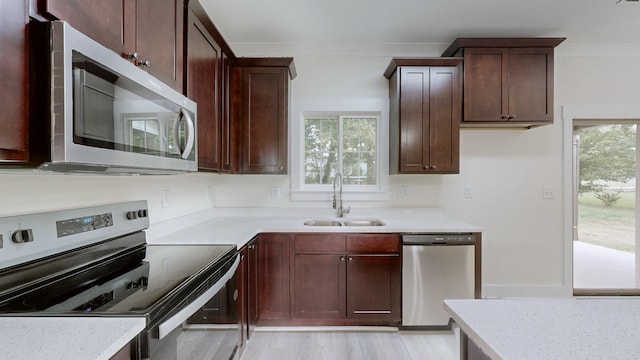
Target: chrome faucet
point(338, 204)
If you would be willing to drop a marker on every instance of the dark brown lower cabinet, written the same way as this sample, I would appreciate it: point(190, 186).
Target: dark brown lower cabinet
point(373, 287)
point(252, 286)
point(273, 277)
point(347, 278)
point(326, 279)
point(319, 286)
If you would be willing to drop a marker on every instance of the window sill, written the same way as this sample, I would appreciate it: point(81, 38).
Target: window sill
point(350, 196)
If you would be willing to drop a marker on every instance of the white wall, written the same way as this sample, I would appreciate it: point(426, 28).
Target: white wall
point(524, 251)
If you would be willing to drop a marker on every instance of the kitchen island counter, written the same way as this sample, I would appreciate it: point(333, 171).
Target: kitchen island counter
point(68, 338)
point(551, 328)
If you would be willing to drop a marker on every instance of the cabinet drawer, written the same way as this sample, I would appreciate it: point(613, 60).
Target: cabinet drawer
point(373, 243)
point(319, 243)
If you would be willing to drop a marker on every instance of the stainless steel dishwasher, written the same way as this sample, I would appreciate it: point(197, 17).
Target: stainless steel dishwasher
point(435, 267)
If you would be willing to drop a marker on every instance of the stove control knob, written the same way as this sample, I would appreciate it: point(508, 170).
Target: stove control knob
point(22, 236)
point(132, 215)
point(143, 282)
point(142, 213)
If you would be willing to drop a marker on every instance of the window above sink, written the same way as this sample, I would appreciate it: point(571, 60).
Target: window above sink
point(338, 135)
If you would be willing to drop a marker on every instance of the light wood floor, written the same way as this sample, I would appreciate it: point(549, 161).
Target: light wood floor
point(352, 345)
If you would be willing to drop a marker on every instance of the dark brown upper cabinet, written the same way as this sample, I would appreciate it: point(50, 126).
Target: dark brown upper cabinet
point(208, 76)
point(260, 113)
point(508, 82)
point(152, 30)
point(204, 86)
point(14, 82)
point(425, 107)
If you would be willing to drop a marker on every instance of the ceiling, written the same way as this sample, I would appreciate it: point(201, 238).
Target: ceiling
point(422, 21)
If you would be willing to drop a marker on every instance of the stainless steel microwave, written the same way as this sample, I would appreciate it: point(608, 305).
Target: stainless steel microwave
point(107, 115)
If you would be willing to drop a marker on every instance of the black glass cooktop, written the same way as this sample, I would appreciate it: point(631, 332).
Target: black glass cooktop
point(135, 282)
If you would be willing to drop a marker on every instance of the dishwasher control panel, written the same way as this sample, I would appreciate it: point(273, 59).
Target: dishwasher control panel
point(438, 239)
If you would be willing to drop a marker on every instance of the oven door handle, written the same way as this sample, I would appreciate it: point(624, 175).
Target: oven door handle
point(181, 316)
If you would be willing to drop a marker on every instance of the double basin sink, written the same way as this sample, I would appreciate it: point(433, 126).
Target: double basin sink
point(367, 222)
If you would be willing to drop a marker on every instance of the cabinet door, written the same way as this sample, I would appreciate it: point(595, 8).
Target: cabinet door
point(152, 28)
point(373, 287)
point(252, 286)
point(319, 286)
point(531, 84)
point(204, 59)
point(445, 112)
point(485, 84)
point(229, 155)
point(159, 39)
point(265, 110)
point(111, 23)
point(414, 119)
point(429, 122)
point(373, 244)
point(273, 273)
point(14, 80)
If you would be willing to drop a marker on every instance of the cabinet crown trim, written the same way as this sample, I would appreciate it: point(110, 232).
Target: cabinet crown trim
point(505, 42)
point(270, 62)
point(431, 61)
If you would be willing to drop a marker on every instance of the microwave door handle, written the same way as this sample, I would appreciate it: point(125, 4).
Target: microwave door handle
point(191, 133)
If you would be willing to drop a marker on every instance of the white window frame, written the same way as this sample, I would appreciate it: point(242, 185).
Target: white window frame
point(302, 108)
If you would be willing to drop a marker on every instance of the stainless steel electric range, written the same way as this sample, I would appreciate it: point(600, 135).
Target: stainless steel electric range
point(95, 262)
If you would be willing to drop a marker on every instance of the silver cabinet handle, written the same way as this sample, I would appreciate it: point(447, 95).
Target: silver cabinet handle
point(341, 258)
point(133, 57)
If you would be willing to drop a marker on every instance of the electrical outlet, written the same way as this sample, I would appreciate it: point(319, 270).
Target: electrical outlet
point(211, 195)
point(548, 192)
point(165, 198)
point(468, 192)
point(403, 191)
point(275, 192)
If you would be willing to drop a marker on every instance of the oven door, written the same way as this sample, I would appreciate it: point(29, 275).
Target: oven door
point(206, 328)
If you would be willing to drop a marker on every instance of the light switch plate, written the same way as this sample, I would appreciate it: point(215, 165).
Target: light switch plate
point(548, 192)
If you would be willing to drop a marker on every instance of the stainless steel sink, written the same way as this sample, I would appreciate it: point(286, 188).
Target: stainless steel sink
point(364, 223)
point(323, 223)
point(367, 222)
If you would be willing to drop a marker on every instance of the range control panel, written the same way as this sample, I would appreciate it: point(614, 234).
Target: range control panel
point(29, 237)
point(83, 224)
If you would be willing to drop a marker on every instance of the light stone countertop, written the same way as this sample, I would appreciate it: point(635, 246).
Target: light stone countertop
point(70, 338)
point(239, 225)
point(551, 328)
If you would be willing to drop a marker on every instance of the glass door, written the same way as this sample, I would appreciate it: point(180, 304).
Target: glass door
point(605, 220)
